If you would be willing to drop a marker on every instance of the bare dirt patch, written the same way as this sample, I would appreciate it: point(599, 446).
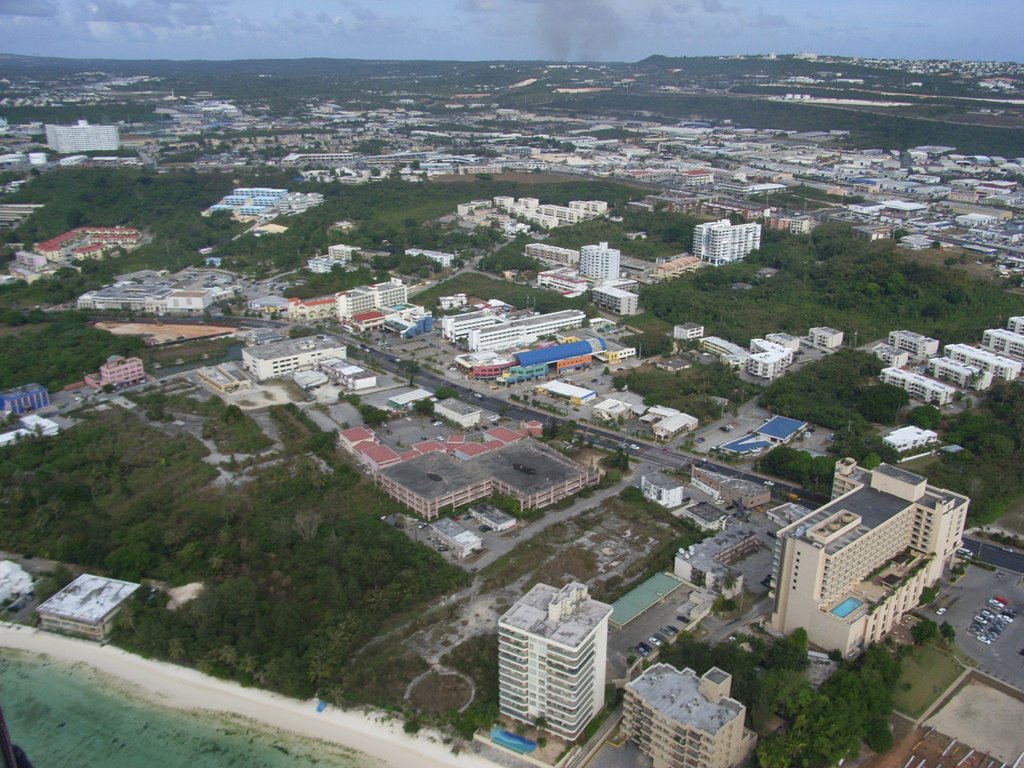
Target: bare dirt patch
point(166, 332)
point(439, 692)
point(986, 717)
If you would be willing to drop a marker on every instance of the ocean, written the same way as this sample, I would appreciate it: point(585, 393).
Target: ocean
point(69, 716)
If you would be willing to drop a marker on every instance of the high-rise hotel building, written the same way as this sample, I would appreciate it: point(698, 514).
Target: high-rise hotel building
point(850, 570)
point(552, 650)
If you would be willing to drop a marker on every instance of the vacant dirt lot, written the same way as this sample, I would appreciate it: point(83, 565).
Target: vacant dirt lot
point(437, 693)
point(984, 717)
point(166, 332)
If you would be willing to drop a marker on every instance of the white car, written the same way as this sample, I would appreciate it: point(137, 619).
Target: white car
point(940, 611)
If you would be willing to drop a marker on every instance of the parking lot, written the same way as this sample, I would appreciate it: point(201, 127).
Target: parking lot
point(962, 602)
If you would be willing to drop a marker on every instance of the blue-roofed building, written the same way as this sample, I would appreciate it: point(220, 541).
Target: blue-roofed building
point(776, 431)
point(19, 400)
point(560, 352)
point(780, 429)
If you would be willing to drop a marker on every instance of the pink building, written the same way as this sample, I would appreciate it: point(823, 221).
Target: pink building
point(118, 371)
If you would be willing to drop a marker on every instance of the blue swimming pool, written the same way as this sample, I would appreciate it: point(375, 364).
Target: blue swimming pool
point(848, 606)
point(512, 741)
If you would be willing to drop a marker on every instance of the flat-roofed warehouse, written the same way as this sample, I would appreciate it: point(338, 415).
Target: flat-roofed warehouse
point(531, 472)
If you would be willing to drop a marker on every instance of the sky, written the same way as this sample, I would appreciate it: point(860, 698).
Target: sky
point(565, 30)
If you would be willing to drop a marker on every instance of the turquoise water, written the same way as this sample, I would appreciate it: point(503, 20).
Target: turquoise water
point(65, 717)
point(848, 606)
point(512, 741)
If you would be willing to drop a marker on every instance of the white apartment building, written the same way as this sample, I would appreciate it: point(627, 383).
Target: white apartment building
point(615, 300)
point(342, 252)
point(688, 331)
point(1004, 341)
point(82, 137)
point(919, 387)
point(721, 242)
point(552, 651)
point(1001, 367)
point(916, 344)
point(680, 720)
point(565, 280)
point(910, 438)
point(510, 334)
point(454, 328)
point(552, 253)
point(454, 301)
point(322, 265)
point(368, 297)
point(1016, 324)
point(768, 360)
point(824, 337)
point(599, 262)
point(729, 353)
point(272, 361)
point(960, 374)
point(851, 570)
point(888, 354)
point(792, 343)
point(662, 489)
point(441, 257)
point(549, 216)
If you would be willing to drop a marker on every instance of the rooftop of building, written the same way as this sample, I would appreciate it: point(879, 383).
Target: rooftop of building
point(583, 615)
point(88, 599)
point(677, 695)
point(289, 347)
point(704, 554)
point(526, 465)
point(457, 406)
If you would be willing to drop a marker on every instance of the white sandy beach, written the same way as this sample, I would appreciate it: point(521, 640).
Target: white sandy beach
point(186, 689)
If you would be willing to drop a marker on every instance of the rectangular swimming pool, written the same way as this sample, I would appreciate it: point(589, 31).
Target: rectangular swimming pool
point(848, 606)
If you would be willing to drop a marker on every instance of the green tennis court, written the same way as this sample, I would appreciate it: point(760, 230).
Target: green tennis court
point(640, 598)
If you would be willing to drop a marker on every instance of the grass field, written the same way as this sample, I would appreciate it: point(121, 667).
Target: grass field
point(927, 673)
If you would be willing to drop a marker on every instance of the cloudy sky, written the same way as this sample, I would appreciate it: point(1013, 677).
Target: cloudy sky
point(621, 30)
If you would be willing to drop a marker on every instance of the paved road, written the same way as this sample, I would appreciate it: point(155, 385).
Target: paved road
point(1006, 558)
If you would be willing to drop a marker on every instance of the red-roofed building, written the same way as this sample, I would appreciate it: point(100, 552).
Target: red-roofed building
point(320, 308)
point(366, 321)
point(431, 445)
point(503, 434)
point(348, 439)
point(533, 428)
point(376, 456)
point(412, 453)
point(105, 238)
point(469, 450)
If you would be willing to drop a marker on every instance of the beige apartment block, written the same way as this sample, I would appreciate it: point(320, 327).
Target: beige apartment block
point(852, 569)
point(680, 720)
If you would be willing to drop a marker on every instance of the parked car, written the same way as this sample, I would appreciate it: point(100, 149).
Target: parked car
point(653, 640)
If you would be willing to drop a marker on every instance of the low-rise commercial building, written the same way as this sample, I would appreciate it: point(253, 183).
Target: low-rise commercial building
point(552, 651)
point(916, 344)
point(680, 720)
point(155, 296)
point(731, 490)
point(441, 257)
point(86, 607)
point(663, 489)
point(492, 517)
point(281, 358)
point(919, 387)
point(457, 412)
point(851, 570)
point(462, 542)
point(565, 280)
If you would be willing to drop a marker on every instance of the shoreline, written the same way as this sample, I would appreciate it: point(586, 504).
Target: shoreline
point(189, 690)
